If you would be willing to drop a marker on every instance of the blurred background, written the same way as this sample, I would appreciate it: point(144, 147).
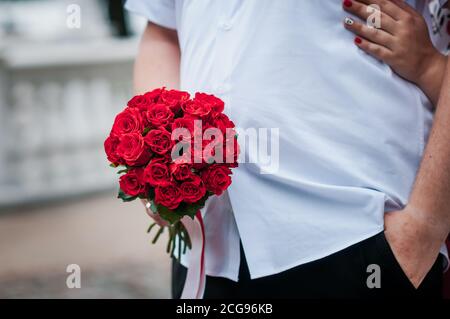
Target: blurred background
point(65, 71)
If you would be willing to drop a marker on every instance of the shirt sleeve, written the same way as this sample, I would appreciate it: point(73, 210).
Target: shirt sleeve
point(160, 12)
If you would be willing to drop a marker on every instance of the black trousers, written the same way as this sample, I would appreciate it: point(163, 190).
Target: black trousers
point(365, 270)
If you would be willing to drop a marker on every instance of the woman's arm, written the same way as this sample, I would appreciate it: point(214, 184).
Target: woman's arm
point(416, 233)
point(402, 42)
point(431, 192)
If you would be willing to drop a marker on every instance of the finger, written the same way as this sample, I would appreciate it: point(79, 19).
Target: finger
point(365, 13)
point(144, 202)
point(377, 36)
point(161, 222)
point(157, 218)
point(396, 9)
point(148, 208)
point(377, 51)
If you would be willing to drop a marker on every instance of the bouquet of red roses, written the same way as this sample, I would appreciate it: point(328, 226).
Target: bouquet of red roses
point(173, 151)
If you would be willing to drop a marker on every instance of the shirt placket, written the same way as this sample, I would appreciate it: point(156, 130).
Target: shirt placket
point(223, 58)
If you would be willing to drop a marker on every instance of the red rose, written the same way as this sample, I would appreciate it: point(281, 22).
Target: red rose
point(159, 115)
point(132, 149)
point(180, 171)
point(214, 103)
point(186, 122)
point(153, 96)
point(196, 108)
point(206, 144)
point(139, 102)
point(110, 146)
point(165, 159)
point(157, 174)
point(231, 152)
point(132, 183)
point(222, 122)
point(169, 196)
point(200, 166)
point(159, 141)
point(128, 121)
point(211, 150)
point(182, 153)
point(216, 178)
point(193, 190)
point(174, 99)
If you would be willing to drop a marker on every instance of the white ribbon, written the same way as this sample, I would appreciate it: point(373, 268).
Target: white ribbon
point(194, 286)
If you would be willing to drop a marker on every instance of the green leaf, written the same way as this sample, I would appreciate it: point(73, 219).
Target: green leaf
point(153, 207)
point(191, 209)
point(151, 194)
point(173, 216)
point(123, 171)
point(113, 165)
point(125, 197)
point(146, 130)
point(167, 214)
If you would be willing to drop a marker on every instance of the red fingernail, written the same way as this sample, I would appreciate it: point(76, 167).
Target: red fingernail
point(348, 3)
point(358, 40)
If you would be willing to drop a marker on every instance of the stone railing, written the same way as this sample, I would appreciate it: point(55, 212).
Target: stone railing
point(57, 103)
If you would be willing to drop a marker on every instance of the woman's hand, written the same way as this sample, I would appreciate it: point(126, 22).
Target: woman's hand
point(161, 222)
point(401, 41)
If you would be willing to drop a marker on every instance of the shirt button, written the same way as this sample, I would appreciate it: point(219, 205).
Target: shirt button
point(225, 26)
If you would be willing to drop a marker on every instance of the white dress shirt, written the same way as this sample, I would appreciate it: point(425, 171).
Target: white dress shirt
point(351, 132)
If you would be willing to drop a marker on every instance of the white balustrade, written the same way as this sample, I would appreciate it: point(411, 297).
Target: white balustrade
point(57, 104)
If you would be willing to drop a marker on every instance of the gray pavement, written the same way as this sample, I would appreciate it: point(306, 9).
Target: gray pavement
point(105, 237)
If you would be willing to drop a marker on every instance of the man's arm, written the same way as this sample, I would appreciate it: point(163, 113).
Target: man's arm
point(158, 60)
point(417, 232)
point(157, 64)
